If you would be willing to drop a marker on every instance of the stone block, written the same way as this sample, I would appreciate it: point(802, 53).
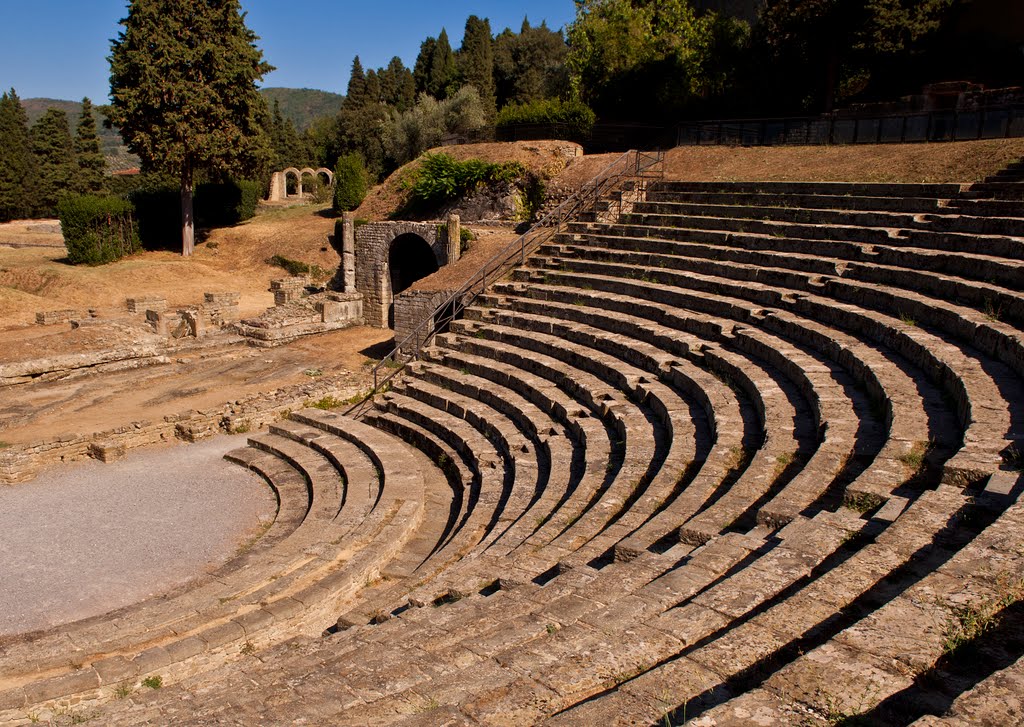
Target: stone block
point(146, 303)
point(107, 451)
point(341, 307)
point(158, 321)
point(221, 299)
point(52, 317)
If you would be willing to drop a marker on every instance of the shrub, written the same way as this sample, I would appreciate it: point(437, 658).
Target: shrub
point(317, 188)
point(576, 116)
point(351, 182)
point(297, 267)
point(441, 178)
point(97, 230)
point(158, 210)
point(227, 203)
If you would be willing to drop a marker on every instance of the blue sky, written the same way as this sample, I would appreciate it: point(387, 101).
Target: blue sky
point(58, 48)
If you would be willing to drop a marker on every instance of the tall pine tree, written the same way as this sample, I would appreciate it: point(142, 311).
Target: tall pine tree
point(397, 86)
point(443, 79)
point(183, 87)
point(15, 158)
point(53, 152)
point(476, 60)
point(421, 71)
point(356, 96)
point(92, 166)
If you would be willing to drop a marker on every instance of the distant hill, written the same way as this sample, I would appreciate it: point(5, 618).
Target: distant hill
point(303, 105)
point(117, 154)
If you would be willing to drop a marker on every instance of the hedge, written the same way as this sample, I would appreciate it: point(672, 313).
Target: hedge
point(215, 204)
point(97, 230)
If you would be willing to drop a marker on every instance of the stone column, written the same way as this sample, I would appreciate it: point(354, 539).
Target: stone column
point(348, 251)
point(454, 238)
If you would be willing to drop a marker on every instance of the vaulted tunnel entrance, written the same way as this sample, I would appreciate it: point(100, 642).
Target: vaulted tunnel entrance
point(410, 258)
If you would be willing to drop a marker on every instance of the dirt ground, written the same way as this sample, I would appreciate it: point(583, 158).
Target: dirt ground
point(228, 259)
point(198, 380)
point(961, 161)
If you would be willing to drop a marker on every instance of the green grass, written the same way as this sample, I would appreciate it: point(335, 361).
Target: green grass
point(968, 622)
point(914, 459)
point(861, 502)
point(153, 682)
point(330, 402)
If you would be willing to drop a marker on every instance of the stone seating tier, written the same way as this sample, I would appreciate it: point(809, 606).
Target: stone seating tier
point(743, 454)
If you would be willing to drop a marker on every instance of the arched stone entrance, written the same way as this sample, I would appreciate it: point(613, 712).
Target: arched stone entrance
point(391, 256)
point(410, 258)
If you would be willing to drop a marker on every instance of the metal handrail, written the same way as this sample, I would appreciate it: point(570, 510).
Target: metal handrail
point(631, 165)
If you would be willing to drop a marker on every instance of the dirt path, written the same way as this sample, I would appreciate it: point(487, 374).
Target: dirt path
point(85, 539)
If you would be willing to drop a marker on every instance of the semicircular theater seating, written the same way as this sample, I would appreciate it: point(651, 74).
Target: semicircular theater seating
point(751, 451)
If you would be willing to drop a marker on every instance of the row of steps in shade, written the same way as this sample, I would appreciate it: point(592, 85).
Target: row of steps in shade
point(648, 451)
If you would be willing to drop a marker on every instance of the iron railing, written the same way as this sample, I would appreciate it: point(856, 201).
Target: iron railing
point(953, 125)
point(608, 187)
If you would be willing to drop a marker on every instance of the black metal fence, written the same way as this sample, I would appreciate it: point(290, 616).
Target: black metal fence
point(991, 123)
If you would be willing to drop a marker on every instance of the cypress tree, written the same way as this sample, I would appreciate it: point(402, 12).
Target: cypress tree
point(53, 151)
point(443, 78)
point(476, 60)
point(397, 86)
point(421, 71)
point(373, 88)
point(92, 165)
point(15, 158)
point(183, 84)
point(356, 96)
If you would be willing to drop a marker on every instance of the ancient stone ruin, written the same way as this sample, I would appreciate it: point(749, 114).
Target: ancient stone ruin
point(279, 182)
point(746, 453)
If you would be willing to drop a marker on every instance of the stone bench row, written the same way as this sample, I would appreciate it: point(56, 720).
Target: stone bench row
point(959, 369)
point(315, 560)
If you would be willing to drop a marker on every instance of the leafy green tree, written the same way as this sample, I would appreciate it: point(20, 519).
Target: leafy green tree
point(837, 45)
point(443, 79)
point(183, 84)
point(408, 134)
point(530, 65)
point(15, 158)
point(632, 56)
point(476, 61)
point(92, 165)
point(288, 147)
point(356, 95)
point(53, 152)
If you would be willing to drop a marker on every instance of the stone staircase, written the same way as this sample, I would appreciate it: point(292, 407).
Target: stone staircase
point(749, 454)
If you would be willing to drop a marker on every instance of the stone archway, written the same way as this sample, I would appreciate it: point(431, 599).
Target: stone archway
point(410, 258)
point(279, 181)
point(390, 255)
